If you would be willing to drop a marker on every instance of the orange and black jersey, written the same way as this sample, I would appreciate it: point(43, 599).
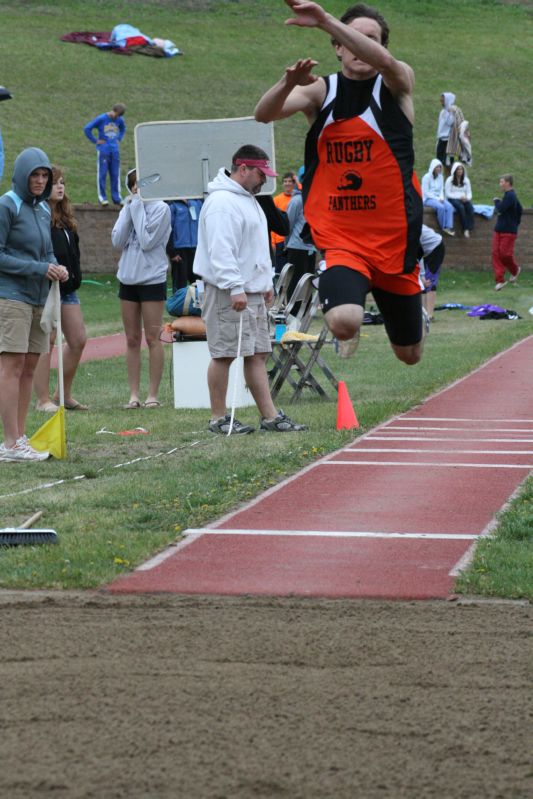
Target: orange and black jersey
point(360, 192)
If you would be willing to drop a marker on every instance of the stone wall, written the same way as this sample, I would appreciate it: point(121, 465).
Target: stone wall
point(95, 225)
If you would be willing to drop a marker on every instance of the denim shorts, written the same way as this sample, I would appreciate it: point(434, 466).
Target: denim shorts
point(70, 299)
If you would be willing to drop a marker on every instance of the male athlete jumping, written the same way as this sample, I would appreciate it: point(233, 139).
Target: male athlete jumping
point(362, 199)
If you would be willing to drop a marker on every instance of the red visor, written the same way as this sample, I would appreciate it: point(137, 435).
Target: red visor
point(260, 163)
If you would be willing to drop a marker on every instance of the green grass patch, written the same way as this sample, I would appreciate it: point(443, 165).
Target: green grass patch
point(117, 500)
point(233, 51)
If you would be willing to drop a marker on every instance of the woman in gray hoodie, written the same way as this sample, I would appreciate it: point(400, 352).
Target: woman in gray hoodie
point(27, 264)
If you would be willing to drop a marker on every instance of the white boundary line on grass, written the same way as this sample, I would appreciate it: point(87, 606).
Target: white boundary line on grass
point(42, 486)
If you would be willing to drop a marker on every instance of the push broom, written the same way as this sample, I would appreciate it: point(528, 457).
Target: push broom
point(23, 535)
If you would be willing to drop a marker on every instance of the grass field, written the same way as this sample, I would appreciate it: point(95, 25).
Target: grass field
point(233, 51)
point(116, 500)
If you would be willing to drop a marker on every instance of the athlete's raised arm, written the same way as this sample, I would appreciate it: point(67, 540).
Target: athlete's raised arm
point(297, 90)
point(365, 46)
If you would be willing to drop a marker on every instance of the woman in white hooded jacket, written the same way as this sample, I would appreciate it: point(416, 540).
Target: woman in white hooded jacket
point(433, 196)
point(458, 191)
point(142, 231)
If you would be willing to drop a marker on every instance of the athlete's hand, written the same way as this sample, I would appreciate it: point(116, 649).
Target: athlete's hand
point(239, 301)
point(268, 297)
point(308, 15)
point(299, 74)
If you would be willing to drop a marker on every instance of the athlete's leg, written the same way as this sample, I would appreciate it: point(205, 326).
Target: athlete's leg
point(342, 294)
point(402, 314)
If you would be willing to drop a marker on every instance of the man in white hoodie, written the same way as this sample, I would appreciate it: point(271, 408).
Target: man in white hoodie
point(233, 258)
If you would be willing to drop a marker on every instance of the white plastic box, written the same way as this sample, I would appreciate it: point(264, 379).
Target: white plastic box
point(190, 360)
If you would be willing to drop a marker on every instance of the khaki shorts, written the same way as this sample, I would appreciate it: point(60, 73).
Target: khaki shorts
point(20, 328)
point(222, 324)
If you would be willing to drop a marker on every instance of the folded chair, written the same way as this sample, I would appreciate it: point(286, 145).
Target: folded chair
point(294, 361)
point(276, 310)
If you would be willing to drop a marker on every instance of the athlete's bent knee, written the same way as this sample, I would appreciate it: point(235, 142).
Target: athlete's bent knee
point(408, 355)
point(344, 321)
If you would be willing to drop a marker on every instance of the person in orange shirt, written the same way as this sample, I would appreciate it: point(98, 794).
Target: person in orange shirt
point(281, 201)
point(362, 199)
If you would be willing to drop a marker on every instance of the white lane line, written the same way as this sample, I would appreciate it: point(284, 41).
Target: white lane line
point(448, 438)
point(355, 448)
point(432, 463)
point(195, 532)
point(509, 430)
point(456, 419)
point(165, 554)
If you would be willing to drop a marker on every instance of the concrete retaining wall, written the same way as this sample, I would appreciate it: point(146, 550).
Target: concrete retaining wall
point(95, 225)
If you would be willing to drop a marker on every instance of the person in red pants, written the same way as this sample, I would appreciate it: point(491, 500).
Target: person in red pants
point(509, 215)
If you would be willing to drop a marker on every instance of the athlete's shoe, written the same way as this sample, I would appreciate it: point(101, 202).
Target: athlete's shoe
point(281, 424)
point(514, 278)
point(21, 452)
point(222, 425)
point(499, 286)
point(347, 348)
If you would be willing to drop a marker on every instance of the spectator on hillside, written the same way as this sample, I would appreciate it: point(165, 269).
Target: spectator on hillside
point(27, 264)
point(142, 231)
point(509, 216)
point(110, 128)
point(181, 247)
point(446, 118)
point(458, 191)
point(65, 242)
point(433, 196)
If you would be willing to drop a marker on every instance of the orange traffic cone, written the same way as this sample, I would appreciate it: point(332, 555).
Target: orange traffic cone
point(346, 418)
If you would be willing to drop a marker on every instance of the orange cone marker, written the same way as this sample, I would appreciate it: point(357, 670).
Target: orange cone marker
point(346, 418)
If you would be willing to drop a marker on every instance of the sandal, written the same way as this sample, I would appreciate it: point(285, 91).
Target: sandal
point(74, 405)
point(46, 407)
point(151, 404)
point(132, 405)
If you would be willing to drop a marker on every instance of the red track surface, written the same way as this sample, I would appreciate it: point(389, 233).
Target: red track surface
point(391, 516)
point(101, 347)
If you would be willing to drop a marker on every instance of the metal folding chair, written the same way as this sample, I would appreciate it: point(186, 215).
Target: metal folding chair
point(293, 361)
point(276, 310)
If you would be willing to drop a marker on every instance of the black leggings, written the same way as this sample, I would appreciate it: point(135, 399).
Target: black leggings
point(402, 313)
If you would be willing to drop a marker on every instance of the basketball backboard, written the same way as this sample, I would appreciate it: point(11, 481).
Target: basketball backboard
point(176, 160)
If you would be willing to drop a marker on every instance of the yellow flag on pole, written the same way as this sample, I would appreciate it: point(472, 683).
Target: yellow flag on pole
point(52, 435)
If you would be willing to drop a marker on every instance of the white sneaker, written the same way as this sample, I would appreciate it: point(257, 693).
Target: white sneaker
point(449, 231)
point(467, 234)
point(21, 452)
point(499, 286)
point(514, 278)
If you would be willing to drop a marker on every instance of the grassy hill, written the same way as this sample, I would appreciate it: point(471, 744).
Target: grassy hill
point(233, 51)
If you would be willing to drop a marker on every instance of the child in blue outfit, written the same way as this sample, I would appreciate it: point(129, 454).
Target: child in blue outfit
point(110, 129)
